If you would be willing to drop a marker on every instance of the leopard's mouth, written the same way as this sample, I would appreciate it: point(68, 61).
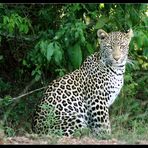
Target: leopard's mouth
point(115, 63)
point(118, 63)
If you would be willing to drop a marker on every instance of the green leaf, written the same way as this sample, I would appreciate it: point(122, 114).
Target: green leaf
point(1, 57)
point(25, 29)
point(11, 25)
point(145, 51)
point(89, 48)
point(101, 22)
point(37, 73)
point(61, 71)
point(101, 5)
point(43, 47)
point(33, 72)
point(50, 50)
point(5, 20)
point(75, 54)
point(24, 62)
point(76, 35)
point(37, 77)
point(57, 54)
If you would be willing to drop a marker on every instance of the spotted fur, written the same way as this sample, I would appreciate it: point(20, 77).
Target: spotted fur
point(82, 98)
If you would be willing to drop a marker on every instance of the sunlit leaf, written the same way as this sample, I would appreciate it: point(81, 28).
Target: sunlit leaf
point(101, 5)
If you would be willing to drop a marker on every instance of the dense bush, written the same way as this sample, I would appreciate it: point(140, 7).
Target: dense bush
point(40, 42)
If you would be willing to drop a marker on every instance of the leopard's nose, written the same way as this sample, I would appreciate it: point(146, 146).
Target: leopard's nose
point(116, 58)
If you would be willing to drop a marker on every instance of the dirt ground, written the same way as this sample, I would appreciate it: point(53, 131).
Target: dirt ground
point(63, 141)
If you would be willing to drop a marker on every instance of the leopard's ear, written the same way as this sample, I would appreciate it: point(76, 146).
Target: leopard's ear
point(130, 34)
point(101, 34)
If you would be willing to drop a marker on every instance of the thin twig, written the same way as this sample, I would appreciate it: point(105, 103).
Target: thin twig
point(29, 93)
point(15, 98)
point(28, 38)
point(10, 109)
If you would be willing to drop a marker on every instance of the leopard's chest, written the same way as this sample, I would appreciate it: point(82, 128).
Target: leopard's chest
point(105, 85)
point(116, 83)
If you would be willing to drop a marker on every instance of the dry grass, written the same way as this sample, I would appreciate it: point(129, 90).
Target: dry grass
point(33, 140)
point(138, 134)
point(60, 141)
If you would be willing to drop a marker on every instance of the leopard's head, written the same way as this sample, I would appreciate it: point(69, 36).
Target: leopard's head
point(114, 47)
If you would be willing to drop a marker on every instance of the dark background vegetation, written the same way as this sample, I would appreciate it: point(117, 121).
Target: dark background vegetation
point(40, 42)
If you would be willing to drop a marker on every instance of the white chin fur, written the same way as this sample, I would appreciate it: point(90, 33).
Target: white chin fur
point(116, 64)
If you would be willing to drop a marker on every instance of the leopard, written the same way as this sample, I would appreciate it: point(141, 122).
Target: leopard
point(82, 98)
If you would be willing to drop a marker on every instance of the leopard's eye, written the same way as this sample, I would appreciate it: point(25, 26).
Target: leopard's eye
point(123, 46)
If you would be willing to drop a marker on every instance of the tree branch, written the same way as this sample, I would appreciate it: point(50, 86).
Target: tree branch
point(29, 93)
point(15, 98)
point(28, 38)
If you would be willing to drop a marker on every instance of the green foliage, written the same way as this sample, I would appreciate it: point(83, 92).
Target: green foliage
point(14, 20)
point(4, 86)
point(80, 132)
point(137, 133)
point(128, 108)
point(76, 55)
point(42, 42)
point(51, 120)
